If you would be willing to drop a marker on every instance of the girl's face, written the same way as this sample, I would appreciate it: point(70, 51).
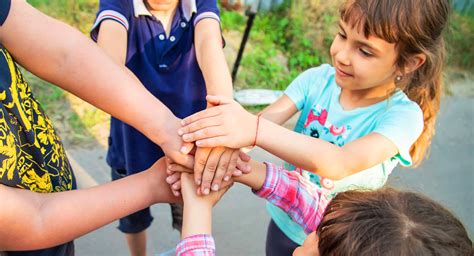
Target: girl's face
point(362, 63)
point(309, 247)
point(161, 5)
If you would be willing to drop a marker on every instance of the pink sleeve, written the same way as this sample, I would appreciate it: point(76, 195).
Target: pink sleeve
point(196, 245)
point(304, 202)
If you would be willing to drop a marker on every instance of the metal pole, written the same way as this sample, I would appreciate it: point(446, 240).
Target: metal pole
point(251, 16)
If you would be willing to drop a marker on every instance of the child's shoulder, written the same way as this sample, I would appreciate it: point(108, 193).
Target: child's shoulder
point(400, 101)
point(401, 106)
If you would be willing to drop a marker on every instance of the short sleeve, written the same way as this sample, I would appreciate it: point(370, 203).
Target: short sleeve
point(4, 10)
point(206, 9)
point(117, 10)
point(402, 124)
point(306, 83)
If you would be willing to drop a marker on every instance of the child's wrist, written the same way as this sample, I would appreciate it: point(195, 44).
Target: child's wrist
point(256, 125)
point(198, 206)
point(157, 131)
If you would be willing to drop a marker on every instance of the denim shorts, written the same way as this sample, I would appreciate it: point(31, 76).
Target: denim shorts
point(141, 220)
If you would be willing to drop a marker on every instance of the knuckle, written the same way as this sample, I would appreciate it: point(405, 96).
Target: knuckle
point(224, 165)
point(201, 162)
point(211, 167)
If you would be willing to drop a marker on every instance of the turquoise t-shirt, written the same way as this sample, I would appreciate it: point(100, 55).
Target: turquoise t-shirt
point(316, 94)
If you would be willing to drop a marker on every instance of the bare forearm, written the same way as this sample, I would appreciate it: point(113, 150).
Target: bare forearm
point(46, 220)
point(280, 111)
point(197, 219)
point(311, 154)
point(63, 56)
point(32, 220)
point(211, 58)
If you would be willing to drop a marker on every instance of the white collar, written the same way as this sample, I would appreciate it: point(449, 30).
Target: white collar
point(188, 7)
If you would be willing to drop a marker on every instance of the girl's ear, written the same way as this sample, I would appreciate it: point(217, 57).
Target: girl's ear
point(414, 63)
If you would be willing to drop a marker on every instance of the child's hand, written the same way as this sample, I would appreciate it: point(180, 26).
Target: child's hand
point(157, 179)
point(174, 171)
point(191, 196)
point(174, 147)
point(227, 124)
point(214, 165)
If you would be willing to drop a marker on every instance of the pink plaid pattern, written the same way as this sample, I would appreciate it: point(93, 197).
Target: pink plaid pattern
point(301, 199)
point(196, 245)
point(304, 202)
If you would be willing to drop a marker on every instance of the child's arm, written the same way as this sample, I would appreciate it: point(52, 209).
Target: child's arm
point(197, 219)
point(280, 111)
point(32, 220)
point(211, 59)
point(213, 165)
point(288, 190)
point(63, 56)
point(231, 125)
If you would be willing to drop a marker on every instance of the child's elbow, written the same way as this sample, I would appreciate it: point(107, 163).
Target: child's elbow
point(332, 171)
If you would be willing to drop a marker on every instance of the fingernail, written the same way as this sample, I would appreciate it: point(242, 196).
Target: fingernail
point(168, 180)
point(175, 187)
point(248, 168)
point(183, 122)
point(226, 178)
point(206, 191)
point(180, 132)
point(198, 182)
point(184, 150)
point(176, 193)
point(198, 143)
point(215, 187)
point(170, 167)
point(237, 173)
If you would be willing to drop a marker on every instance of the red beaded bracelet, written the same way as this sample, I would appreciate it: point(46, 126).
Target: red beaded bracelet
point(256, 131)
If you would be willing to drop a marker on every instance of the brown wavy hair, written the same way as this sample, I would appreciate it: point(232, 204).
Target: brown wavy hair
point(415, 27)
point(390, 222)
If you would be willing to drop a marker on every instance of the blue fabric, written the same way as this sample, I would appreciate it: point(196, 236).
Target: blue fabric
point(167, 66)
point(4, 10)
point(316, 94)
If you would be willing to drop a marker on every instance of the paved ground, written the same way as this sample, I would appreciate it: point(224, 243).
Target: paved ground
point(240, 219)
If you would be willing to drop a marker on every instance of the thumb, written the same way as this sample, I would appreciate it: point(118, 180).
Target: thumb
point(216, 100)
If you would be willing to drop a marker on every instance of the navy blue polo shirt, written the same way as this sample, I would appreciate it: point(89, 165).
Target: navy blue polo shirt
point(166, 65)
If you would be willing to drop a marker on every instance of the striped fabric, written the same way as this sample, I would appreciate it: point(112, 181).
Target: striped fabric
point(206, 15)
point(196, 245)
point(303, 201)
point(111, 15)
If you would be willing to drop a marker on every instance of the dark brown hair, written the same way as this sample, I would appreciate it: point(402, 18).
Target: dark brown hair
point(416, 27)
point(390, 222)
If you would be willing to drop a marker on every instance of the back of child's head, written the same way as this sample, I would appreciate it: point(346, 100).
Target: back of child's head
point(390, 222)
point(415, 27)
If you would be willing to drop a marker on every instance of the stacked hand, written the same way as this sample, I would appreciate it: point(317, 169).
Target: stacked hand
point(231, 163)
point(215, 164)
point(227, 124)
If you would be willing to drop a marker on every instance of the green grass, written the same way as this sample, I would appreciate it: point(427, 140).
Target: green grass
point(78, 13)
point(460, 39)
